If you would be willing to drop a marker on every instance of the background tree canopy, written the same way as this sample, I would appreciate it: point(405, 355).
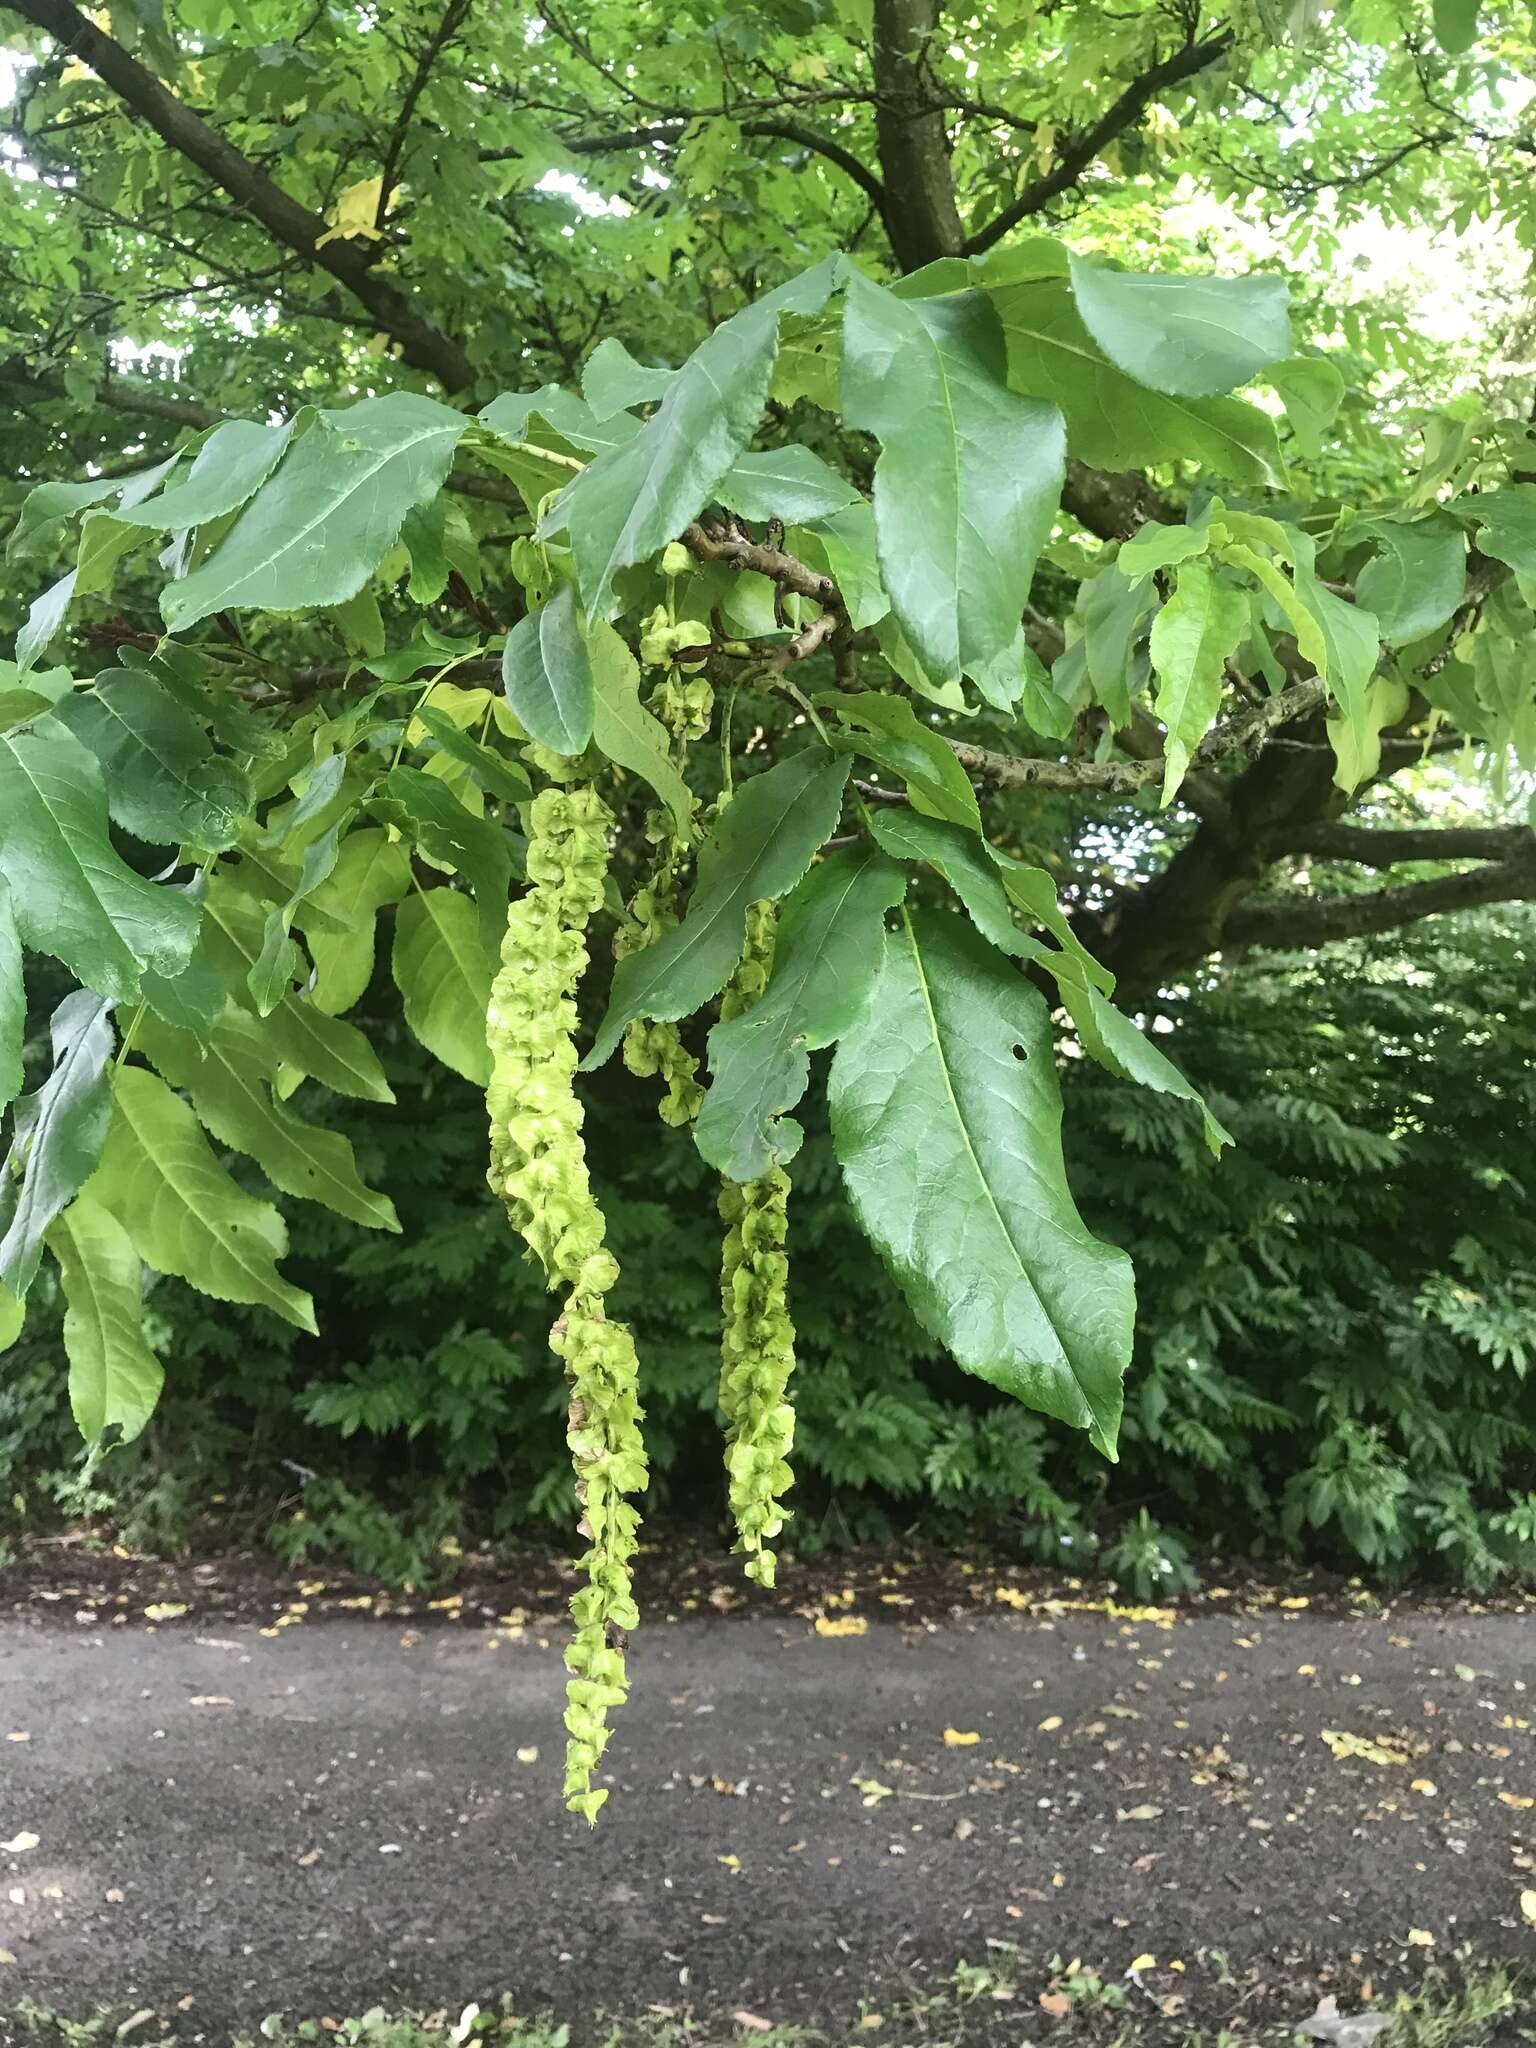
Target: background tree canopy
point(692, 463)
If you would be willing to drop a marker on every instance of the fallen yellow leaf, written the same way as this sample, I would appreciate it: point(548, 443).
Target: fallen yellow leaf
point(751, 2020)
point(1518, 1800)
point(1296, 1600)
point(530, 1755)
point(1343, 1744)
point(165, 1610)
point(1528, 1906)
point(1142, 1962)
point(1420, 1937)
point(20, 1843)
point(1139, 1813)
point(960, 1738)
point(1051, 1721)
point(1425, 1785)
point(843, 1625)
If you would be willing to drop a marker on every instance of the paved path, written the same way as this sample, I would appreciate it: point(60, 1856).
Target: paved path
point(324, 1815)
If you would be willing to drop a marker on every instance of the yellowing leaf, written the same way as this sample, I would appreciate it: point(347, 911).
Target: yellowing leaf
point(18, 1844)
point(842, 1625)
point(1528, 1906)
point(1343, 1745)
point(1142, 1962)
point(958, 1738)
point(165, 1610)
point(1139, 1813)
point(355, 211)
point(1050, 1722)
point(1296, 1600)
point(1420, 1937)
point(1517, 1800)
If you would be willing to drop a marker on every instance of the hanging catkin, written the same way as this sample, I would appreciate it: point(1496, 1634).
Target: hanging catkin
point(757, 1351)
point(539, 1169)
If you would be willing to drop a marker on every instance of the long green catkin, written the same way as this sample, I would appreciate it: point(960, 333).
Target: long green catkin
point(539, 1169)
point(757, 1347)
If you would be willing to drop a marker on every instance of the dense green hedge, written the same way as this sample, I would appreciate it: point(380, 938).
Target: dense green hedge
point(1335, 1333)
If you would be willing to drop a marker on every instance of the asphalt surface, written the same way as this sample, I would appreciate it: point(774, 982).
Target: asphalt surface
point(807, 1810)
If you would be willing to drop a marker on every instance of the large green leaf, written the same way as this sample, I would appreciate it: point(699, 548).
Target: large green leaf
point(1191, 337)
point(963, 860)
point(1107, 1035)
point(74, 895)
point(328, 1049)
point(629, 503)
point(626, 732)
point(612, 381)
point(45, 620)
point(789, 484)
point(761, 846)
point(1192, 637)
point(13, 1000)
point(843, 546)
point(234, 461)
point(316, 530)
point(946, 1117)
point(60, 1129)
point(227, 1077)
point(827, 953)
point(887, 731)
point(1113, 422)
point(1507, 531)
point(371, 870)
point(969, 475)
point(114, 1377)
point(1415, 580)
point(164, 782)
point(546, 671)
point(443, 971)
point(431, 816)
point(182, 1210)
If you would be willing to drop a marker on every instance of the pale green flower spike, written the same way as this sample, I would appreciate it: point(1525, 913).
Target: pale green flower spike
point(757, 1348)
point(539, 1169)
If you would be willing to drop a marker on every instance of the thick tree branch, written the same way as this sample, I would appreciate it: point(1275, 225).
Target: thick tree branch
point(1388, 846)
point(671, 131)
point(422, 344)
point(922, 220)
point(1313, 921)
point(1076, 156)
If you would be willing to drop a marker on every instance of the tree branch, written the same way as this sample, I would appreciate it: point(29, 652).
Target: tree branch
point(671, 130)
point(453, 19)
point(422, 344)
point(1311, 921)
point(922, 220)
point(1076, 156)
point(1385, 847)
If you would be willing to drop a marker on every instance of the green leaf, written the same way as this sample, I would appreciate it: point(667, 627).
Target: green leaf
point(192, 1000)
point(60, 1129)
point(827, 953)
point(1108, 1036)
point(1155, 547)
point(13, 1000)
point(546, 672)
point(761, 845)
point(164, 782)
point(627, 504)
point(328, 1049)
point(887, 731)
point(371, 870)
point(1192, 637)
point(612, 381)
point(1357, 743)
point(104, 540)
point(1507, 531)
point(1417, 579)
point(317, 530)
point(228, 1078)
point(626, 732)
point(1312, 390)
point(114, 1377)
point(278, 963)
point(45, 620)
point(13, 1317)
point(503, 778)
point(969, 475)
point(428, 812)
point(74, 896)
point(1456, 25)
point(1190, 337)
point(232, 464)
point(950, 1144)
point(964, 861)
point(443, 971)
point(1113, 611)
point(790, 484)
point(842, 545)
point(183, 1212)
point(1113, 422)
